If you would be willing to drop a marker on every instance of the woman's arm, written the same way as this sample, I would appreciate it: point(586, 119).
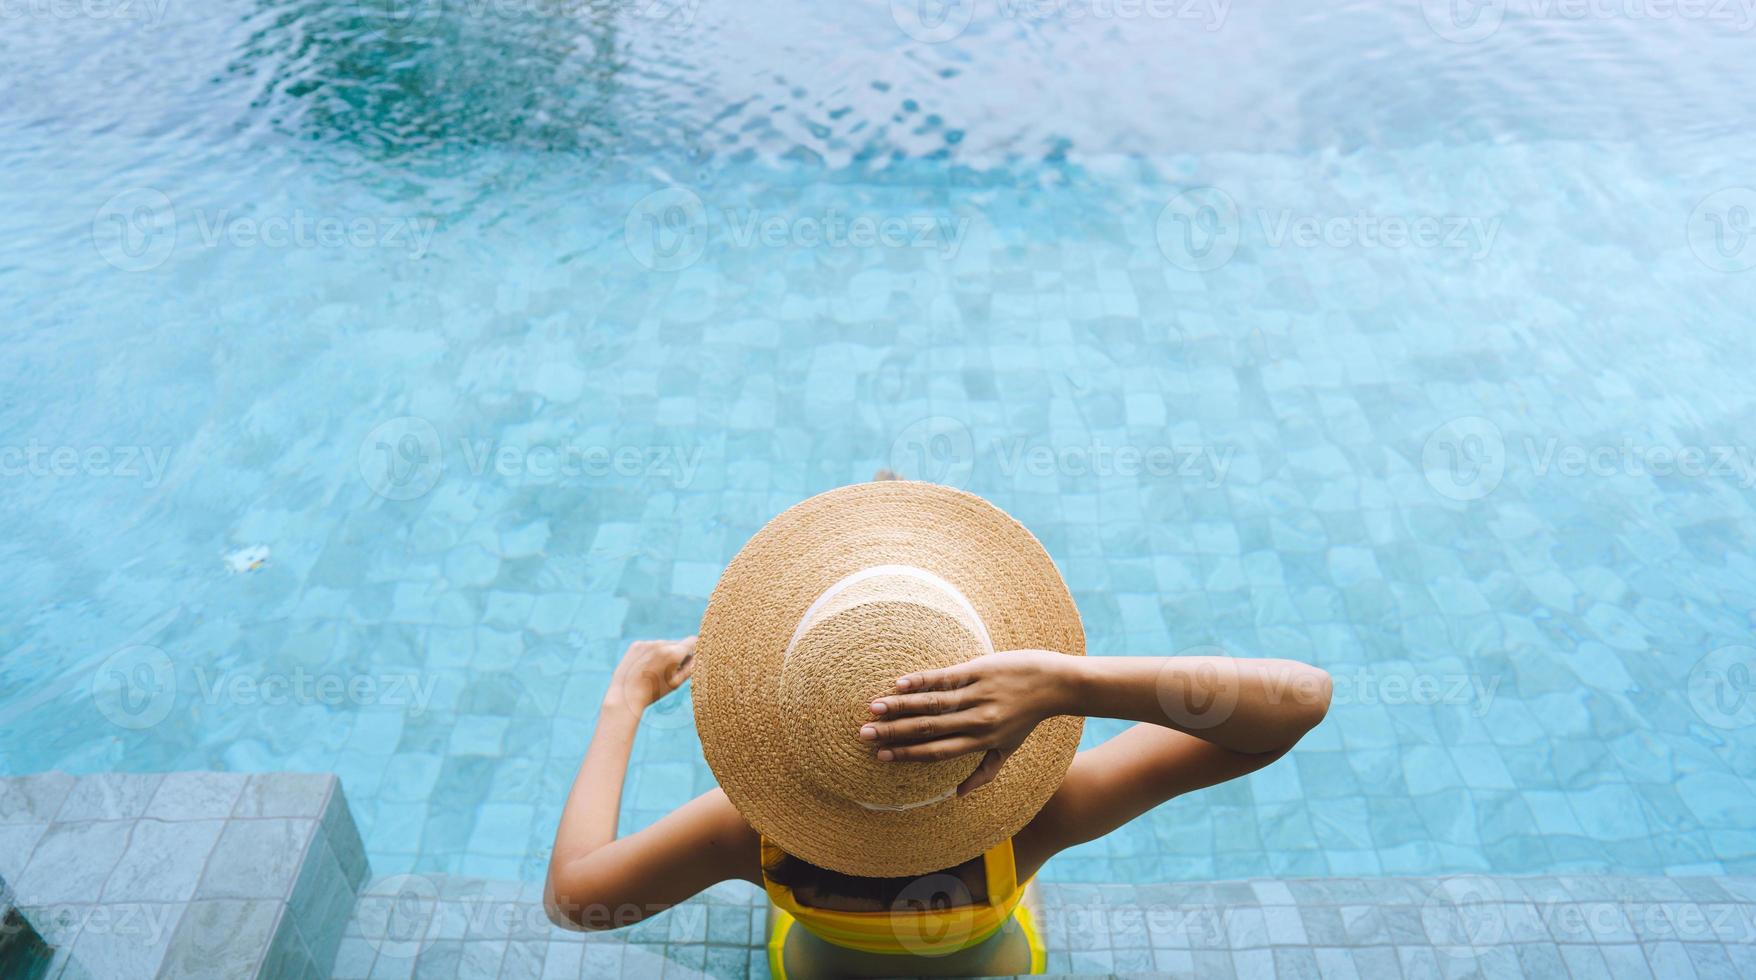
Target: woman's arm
point(991, 703)
point(1204, 720)
point(598, 882)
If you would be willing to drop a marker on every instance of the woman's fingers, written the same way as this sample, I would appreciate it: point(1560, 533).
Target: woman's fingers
point(945, 748)
point(929, 703)
point(943, 679)
point(685, 667)
point(922, 728)
point(985, 772)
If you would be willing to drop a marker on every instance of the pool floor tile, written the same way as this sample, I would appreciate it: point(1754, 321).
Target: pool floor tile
point(1221, 928)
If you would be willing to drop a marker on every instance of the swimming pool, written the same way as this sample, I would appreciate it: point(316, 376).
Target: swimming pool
point(1412, 345)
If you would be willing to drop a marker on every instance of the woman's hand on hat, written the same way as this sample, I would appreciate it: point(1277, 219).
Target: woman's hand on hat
point(649, 670)
point(989, 704)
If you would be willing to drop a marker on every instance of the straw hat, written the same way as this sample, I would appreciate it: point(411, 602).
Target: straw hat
point(820, 613)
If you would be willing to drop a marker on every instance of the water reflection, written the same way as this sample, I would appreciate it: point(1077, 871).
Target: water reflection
point(393, 78)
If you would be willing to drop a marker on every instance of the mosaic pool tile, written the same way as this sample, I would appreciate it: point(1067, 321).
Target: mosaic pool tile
point(1447, 927)
point(1552, 657)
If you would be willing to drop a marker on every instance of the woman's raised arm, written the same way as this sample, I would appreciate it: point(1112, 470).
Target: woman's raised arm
point(597, 881)
point(1203, 720)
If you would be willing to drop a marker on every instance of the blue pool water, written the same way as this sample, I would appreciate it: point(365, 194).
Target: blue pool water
point(1415, 347)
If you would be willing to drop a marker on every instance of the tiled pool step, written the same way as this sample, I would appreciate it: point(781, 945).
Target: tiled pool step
point(1466, 926)
point(196, 874)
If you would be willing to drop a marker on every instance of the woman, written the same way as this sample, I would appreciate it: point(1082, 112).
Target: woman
point(890, 689)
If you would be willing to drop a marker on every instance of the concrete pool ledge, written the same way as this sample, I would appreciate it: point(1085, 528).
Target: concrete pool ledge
point(194, 874)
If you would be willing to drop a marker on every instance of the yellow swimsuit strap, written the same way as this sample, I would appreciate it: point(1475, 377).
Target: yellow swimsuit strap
point(930, 931)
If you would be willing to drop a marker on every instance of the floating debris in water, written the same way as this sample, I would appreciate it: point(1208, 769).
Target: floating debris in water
point(247, 559)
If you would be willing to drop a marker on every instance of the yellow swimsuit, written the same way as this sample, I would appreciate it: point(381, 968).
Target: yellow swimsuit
point(930, 933)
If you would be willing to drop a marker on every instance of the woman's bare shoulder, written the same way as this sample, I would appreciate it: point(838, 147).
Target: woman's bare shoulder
point(731, 834)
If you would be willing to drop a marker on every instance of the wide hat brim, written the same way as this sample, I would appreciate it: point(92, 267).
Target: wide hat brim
point(1006, 576)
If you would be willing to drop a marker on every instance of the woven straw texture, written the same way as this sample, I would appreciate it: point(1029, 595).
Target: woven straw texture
point(782, 733)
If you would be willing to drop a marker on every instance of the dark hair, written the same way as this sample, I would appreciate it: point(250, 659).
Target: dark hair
point(823, 888)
